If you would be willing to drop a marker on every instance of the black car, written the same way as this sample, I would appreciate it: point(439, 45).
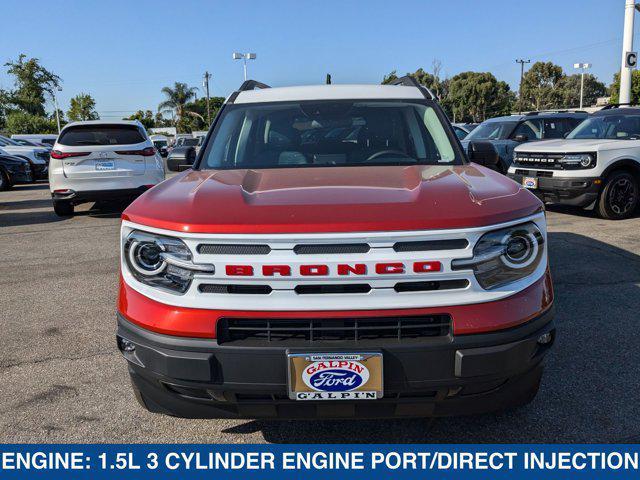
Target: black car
point(492, 143)
point(14, 170)
point(184, 154)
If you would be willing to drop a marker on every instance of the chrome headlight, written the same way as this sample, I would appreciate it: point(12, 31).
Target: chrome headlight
point(160, 261)
point(578, 160)
point(504, 256)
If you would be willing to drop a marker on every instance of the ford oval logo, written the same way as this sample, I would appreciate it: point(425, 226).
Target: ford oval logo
point(335, 376)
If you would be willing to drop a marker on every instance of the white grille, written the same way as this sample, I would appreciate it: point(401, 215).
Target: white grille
point(277, 293)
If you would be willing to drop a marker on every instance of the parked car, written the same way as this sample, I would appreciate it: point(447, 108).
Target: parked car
point(38, 157)
point(30, 143)
point(463, 129)
point(184, 153)
point(596, 166)
point(492, 143)
point(161, 143)
point(295, 275)
point(41, 138)
point(102, 161)
point(14, 170)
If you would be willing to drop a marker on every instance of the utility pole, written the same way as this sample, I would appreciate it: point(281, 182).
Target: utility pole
point(55, 104)
point(521, 62)
point(629, 58)
point(583, 67)
point(205, 84)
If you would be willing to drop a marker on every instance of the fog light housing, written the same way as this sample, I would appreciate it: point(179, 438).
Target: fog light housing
point(545, 338)
point(126, 345)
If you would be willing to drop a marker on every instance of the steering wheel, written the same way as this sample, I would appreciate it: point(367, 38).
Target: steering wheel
point(383, 153)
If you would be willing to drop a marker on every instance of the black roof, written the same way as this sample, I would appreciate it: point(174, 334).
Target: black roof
point(618, 111)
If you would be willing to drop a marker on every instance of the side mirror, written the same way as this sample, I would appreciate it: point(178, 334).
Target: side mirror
point(521, 138)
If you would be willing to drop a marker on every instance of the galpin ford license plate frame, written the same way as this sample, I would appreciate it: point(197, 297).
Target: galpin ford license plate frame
point(335, 376)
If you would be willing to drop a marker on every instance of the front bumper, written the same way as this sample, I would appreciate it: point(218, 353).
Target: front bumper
point(40, 171)
point(452, 375)
point(575, 191)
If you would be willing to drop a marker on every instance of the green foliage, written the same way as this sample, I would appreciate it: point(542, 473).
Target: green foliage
point(146, 118)
point(569, 87)
point(82, 107)
point(540, 88)
point(32, 81)
point(23, 122)
point(176, 102)
point(476, 96)
point(614, 89)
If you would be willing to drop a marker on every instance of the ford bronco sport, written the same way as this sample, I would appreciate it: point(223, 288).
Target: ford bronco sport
point(596, 166)
point(333, 254)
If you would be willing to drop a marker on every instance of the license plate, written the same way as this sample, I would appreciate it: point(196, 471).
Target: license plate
point(106, 165)
point(335, 376)
point(530, 182)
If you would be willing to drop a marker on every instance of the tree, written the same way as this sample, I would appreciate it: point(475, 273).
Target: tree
point(82, 107)
point(569, 87)
point(146, 118)
point(197, 109)
point(476, 96)
point(23, 122)
point(540, 87)
point(614, 88)
point(429, 80)
point(32, 81)
point(176, 102)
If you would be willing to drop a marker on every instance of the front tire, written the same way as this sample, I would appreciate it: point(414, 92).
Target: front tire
point(63, 208)
point(619, 196)
point(5, 182)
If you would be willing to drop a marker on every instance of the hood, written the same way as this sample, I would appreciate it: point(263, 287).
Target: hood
point(334, 199)
point(568, 145)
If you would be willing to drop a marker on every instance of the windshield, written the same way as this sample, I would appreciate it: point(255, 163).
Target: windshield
point(622, 127)
point(329, 133)
point(160, 143)
point(100, 135)
point(492, 131)
point(4, 141)
point(189, 142)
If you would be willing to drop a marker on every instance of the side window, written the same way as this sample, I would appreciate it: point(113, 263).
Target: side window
point(555, 127)
point(532, 129)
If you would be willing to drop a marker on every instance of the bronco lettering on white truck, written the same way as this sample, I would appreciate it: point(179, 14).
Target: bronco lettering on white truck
point(333, 253)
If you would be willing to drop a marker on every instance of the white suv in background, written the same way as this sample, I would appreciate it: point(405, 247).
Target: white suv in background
point(596, 166)
point(102, 161)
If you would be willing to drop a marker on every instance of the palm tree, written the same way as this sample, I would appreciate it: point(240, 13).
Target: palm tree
point(177, 99)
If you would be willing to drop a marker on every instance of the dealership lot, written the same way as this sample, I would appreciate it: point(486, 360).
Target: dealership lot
point(63, 379)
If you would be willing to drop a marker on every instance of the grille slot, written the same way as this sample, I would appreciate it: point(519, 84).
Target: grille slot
point(309, 331)
point(230, 249)
point(429, 245)
point(534, 173)
point(332, 288)
point(430, 285)
point(331, 248)
point(235, 289)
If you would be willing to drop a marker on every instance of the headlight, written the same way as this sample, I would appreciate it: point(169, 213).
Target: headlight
point(160, 261)
point(504, 256)
point(578, 160)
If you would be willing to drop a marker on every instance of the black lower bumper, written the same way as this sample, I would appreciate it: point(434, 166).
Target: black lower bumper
point(77, 198)
point(40, 171)
point(467, 374)
point(578, 192)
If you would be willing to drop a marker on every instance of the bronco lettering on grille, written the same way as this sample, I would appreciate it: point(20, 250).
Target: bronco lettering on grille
point(320, 270)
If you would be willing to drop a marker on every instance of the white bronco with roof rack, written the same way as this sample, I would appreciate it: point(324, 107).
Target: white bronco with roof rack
point(596, 166)
point(102, 161)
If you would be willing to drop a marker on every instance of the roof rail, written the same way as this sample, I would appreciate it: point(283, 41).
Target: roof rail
point(618, 105)
point(247, 86)
point(560, 110)
point(409, 81)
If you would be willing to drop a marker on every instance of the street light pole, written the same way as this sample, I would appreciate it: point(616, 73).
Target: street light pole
point(205, 84)
point(244, 57)
point(55, 104)
point(521, 62)
point(583, 67)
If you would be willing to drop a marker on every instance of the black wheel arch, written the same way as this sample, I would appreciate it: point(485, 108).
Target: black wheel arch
point(627, 164)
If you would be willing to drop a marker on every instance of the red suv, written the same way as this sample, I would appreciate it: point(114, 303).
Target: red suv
point(332, 253)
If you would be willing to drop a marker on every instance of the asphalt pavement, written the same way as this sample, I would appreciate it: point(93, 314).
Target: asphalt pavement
point(63, 379)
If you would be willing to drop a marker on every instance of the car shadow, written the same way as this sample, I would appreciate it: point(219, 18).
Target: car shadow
point(10, 217)
point(589, 390)
point(581, 212)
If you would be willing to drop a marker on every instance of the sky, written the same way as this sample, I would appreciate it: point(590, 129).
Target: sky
point(122, 52)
